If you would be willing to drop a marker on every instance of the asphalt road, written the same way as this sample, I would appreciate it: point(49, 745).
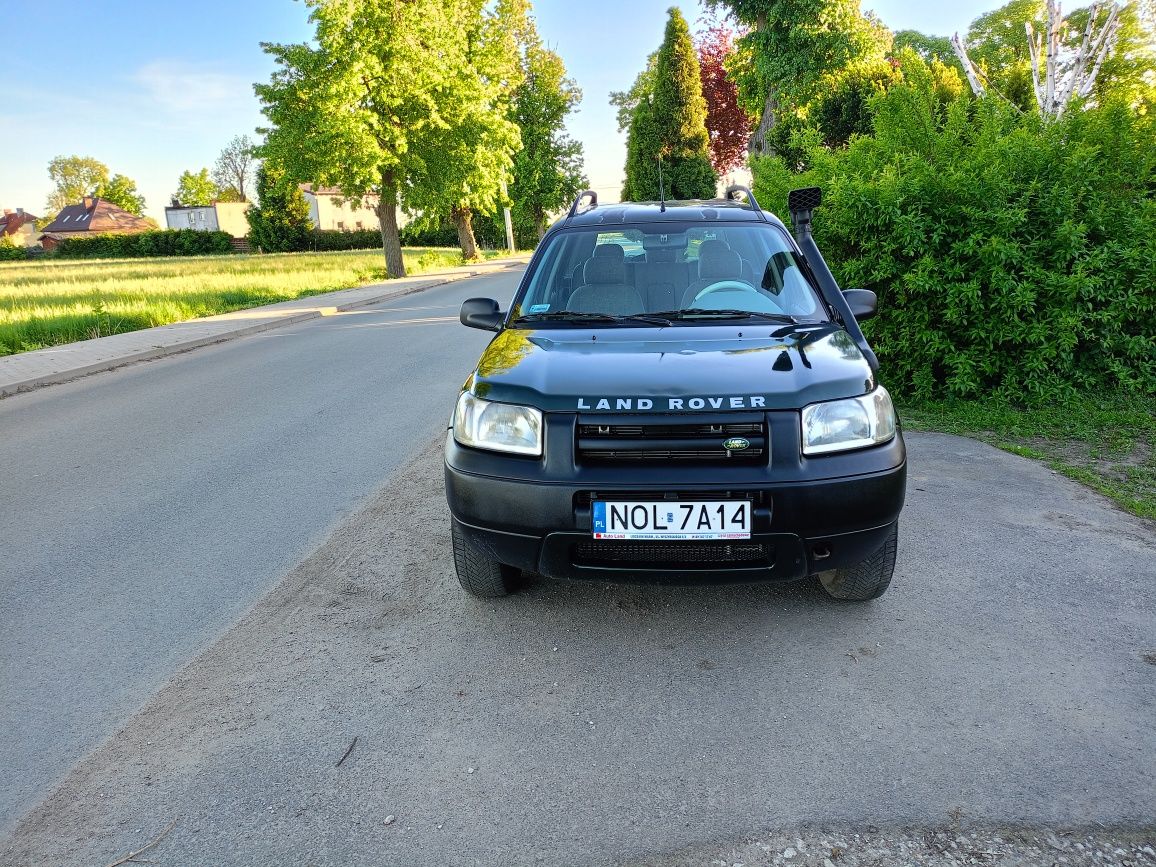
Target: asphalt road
point(145, 509)
point(1006, 679)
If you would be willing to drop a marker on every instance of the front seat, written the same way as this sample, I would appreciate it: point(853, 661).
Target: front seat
point(716, 261)
point(604, 288)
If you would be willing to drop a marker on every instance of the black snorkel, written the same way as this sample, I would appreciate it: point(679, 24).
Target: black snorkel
point(801, 204)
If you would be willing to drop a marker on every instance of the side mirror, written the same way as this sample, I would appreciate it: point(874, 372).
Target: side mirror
point(483, 313)
point(863, 302)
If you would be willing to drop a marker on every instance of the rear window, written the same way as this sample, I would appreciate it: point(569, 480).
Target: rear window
point(668, 267)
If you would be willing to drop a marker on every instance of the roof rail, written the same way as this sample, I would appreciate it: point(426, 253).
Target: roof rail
point(729, 195)
point(582, 195)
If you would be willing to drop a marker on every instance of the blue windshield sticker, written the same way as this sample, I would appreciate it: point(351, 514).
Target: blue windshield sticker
point(539, 308)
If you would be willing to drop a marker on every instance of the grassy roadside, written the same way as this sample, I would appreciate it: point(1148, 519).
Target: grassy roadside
point(50, 302)
point(1107, 442)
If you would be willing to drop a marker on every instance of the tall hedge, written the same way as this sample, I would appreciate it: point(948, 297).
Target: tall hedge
point(1010, 255)
point(168, 242)
point(489, 235)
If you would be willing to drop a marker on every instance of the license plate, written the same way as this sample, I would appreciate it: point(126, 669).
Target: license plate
point(672, 519)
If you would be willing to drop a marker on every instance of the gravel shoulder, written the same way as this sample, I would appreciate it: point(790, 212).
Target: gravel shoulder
point(1002, 688)
point(949, 846)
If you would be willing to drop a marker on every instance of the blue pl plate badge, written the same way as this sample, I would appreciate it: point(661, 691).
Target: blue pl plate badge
point(539, 308)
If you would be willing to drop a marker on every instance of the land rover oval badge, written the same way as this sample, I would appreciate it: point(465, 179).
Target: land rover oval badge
point(736, 444)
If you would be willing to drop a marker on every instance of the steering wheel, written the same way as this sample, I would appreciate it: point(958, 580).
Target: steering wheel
point(725, 286)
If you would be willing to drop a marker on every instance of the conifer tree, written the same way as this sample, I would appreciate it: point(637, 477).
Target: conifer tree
point(670, 124)
point(280, 222)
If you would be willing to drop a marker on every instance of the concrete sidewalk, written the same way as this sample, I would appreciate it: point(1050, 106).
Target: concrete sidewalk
point(28, 370)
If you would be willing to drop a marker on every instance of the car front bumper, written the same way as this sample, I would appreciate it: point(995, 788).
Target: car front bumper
point(810, 515)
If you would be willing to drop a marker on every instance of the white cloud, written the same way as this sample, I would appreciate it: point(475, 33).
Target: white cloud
point(150, 123)
point(182, 87)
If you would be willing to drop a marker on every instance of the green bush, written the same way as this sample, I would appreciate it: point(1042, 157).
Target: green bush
point(9, 252)
point(1010, 255)
point(332, 239)
point(168, 242)
point(489, 232)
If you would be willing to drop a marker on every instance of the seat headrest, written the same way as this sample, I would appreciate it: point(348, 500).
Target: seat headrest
point(607, 265)
point(717, 261)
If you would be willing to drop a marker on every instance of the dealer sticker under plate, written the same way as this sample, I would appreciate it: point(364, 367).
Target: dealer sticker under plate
point(672, 519)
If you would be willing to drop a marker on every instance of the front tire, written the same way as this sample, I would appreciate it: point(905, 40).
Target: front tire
point(479, 574)
point(867, 579)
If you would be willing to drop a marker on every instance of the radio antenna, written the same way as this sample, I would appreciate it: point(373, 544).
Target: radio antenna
point(661, 190)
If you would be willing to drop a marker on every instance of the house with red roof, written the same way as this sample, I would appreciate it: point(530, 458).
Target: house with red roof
point(19, 227)
point(92, 216)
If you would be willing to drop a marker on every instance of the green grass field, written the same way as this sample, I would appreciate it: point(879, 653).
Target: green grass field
point(50, 302)
point(1107, 442)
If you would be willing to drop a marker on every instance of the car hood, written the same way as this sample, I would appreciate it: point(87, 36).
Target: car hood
point(680, 368)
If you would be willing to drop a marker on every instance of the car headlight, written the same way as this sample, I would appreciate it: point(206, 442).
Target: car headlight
point(854, 423)
point(500, 427)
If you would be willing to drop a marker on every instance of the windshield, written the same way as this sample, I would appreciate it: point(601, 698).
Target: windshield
point(668, 271)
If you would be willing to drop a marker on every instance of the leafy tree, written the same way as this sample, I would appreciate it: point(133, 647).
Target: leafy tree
point(235, 166)
point(195, 189)
point(790, 45)
point(280, 222)
point(728, 123)
point(1129, 72)
point(230, 194)
point(925, 45)
point(671, 125)
point(462, 166)
point(548, 168)
point(998, 46)
point(122, 192)
point(844, 109)
point(73, 178)
point(367, 106)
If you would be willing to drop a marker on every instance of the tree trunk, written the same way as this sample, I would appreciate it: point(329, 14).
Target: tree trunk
point(387, 216)
point(464, 222)
point(758, 143)
point(541, 224)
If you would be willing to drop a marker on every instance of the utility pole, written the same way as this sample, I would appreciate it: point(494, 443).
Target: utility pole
point(509, 220)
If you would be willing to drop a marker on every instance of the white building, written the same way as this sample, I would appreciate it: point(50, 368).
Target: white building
point(328, 209)
point(217, 217)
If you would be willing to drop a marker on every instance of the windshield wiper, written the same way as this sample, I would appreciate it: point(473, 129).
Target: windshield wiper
point(581, 316)
point(704, 313)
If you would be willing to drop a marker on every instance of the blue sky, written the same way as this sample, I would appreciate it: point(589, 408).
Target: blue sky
point(154, 88)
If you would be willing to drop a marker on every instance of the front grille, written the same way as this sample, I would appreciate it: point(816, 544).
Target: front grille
point(616, 439)
point(672, 555)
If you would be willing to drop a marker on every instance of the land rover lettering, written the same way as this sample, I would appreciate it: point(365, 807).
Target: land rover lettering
point(670, 404)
